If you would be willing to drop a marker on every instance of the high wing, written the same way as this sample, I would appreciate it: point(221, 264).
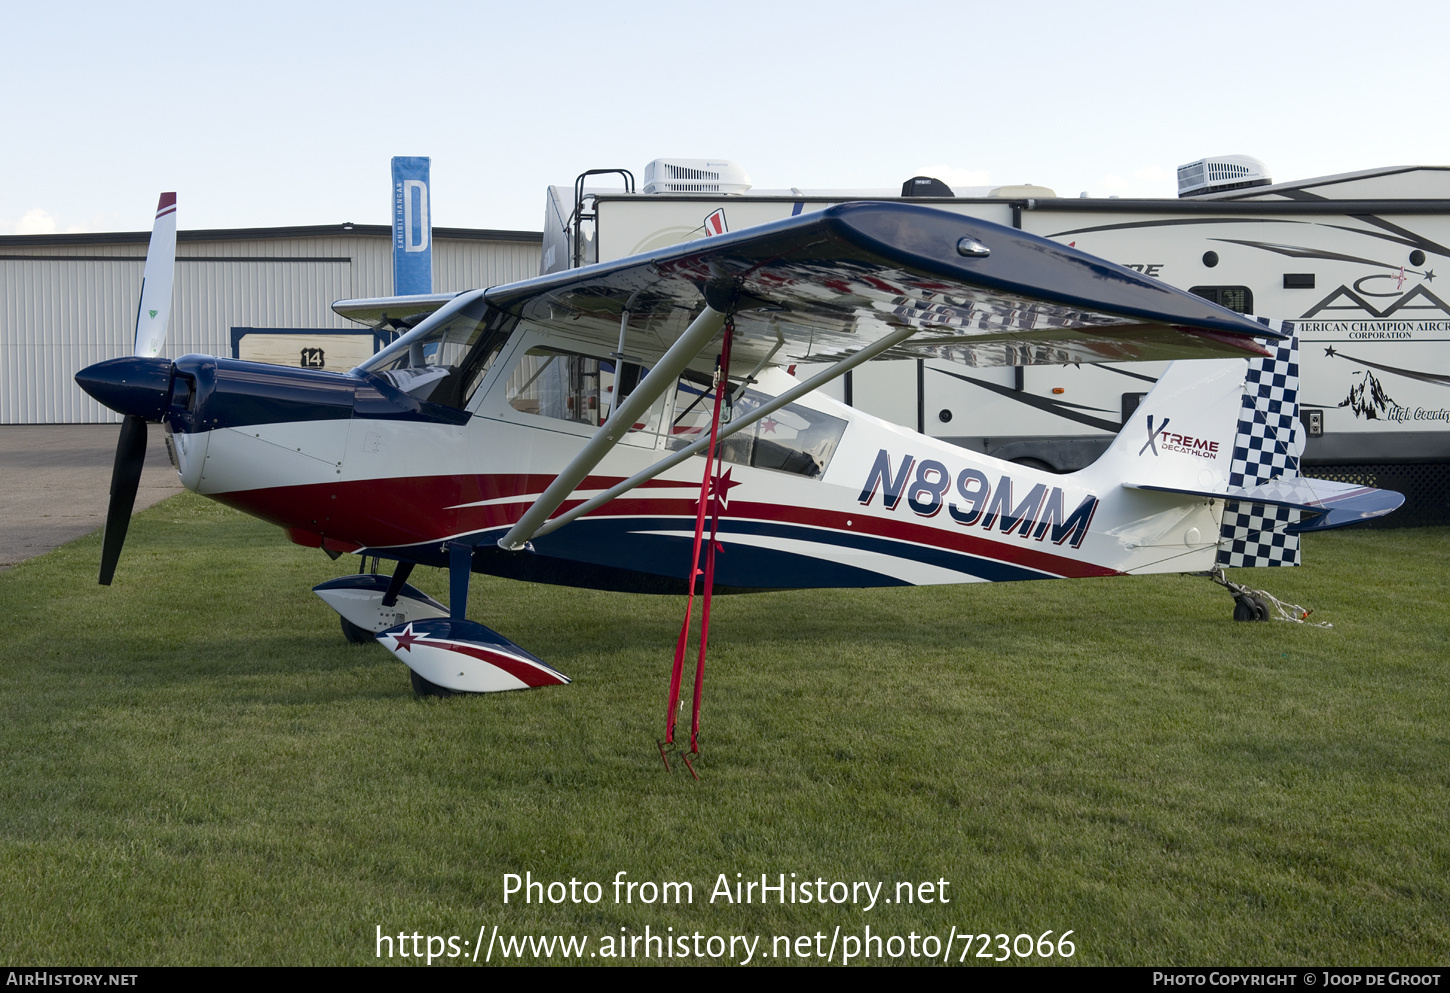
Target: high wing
point(821, 286)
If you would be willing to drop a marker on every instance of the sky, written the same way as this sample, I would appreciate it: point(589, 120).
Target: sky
point(270, 113)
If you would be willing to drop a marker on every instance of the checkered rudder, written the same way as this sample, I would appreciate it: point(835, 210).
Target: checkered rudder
point(1264, 449)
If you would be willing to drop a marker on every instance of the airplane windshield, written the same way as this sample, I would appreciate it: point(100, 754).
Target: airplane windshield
point(446, 364)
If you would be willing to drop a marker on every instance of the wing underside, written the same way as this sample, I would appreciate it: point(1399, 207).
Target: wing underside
point(821, 286)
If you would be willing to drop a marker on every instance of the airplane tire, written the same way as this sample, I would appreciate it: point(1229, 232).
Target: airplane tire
point(354, 634)
point(422, 687)
point(1250, 608)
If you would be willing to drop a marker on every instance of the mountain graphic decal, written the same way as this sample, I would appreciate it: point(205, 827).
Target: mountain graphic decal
point(1368, 398)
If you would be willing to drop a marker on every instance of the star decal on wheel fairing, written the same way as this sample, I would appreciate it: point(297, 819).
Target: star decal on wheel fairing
point(405, 639)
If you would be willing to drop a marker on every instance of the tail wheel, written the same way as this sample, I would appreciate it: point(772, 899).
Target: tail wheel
point(1248, 608)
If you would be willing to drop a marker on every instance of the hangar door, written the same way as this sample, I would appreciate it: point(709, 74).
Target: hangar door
point(59, 314)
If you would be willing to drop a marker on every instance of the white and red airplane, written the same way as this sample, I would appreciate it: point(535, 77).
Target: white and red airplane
point(561, 430)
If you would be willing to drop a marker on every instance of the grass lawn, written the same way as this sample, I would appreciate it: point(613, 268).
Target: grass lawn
point(197, 769)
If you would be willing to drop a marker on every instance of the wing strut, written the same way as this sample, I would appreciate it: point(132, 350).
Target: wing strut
point(662, 377)
point(789, 396)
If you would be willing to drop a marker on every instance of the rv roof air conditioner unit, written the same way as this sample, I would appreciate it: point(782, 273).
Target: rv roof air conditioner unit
point(694, 176)
point(1221, 172)
point(1025, 191)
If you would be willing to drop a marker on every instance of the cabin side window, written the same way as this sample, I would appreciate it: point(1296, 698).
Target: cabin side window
point(792, 439)
point(1235, 298)
point(567, 386)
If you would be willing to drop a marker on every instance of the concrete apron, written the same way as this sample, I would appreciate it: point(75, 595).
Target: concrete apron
point(55, 481)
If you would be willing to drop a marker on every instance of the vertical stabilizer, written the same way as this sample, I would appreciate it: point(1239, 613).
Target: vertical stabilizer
point(1181, 436)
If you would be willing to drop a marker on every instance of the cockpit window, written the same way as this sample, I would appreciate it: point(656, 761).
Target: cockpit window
point(447, 363)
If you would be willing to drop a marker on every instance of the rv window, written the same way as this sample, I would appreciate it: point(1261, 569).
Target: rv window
point(793, 439)
point(1236, 298)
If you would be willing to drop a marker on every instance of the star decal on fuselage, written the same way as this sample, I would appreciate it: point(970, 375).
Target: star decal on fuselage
point(721, 486)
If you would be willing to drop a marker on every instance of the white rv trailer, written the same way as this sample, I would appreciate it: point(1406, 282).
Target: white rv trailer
point(1350, 259)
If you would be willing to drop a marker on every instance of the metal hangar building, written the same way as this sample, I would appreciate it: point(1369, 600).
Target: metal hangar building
point(68, 300)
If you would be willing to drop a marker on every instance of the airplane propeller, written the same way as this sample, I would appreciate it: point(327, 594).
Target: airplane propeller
point(154, 313)
point(125, 478)
point(139, 386)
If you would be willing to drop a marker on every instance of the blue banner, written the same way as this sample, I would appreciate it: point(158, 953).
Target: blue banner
point(412, 227)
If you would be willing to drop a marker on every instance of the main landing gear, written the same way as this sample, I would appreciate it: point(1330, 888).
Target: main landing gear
point(355, 635)
point(444, 651)
point(421, 686)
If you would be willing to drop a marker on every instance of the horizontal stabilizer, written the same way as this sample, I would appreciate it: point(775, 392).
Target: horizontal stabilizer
point(1336, 505)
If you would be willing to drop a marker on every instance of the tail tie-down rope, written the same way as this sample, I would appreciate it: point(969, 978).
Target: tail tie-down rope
point(1256, 603)
point(713, 486)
